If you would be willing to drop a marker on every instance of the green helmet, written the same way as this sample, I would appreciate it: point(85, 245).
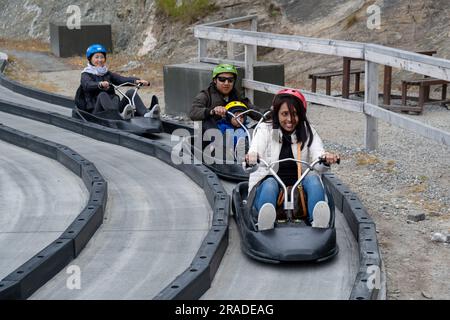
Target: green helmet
point(224, 68)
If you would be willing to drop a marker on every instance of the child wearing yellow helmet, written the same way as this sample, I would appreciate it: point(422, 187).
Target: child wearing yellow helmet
point(236, 108)
point(232, 125)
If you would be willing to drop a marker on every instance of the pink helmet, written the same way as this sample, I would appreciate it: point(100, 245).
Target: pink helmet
point(295, 93)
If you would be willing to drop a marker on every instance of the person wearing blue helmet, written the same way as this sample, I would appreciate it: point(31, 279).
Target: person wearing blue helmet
point(100, 96)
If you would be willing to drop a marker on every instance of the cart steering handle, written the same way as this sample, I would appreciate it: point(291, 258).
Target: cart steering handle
point(289, 202)
point(136, 85)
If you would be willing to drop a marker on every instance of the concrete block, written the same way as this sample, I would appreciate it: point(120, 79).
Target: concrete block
point(67, 42)
point(182, 82)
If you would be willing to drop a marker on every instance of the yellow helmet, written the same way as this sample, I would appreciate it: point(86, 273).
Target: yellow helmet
point(234, 106)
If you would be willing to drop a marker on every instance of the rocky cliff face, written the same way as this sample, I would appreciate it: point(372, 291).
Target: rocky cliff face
point(24, 19)
point(138, 27)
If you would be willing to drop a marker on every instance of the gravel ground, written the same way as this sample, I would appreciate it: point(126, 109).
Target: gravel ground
point(407, 175)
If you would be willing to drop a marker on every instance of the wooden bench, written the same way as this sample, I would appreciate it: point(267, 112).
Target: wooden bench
point(424, 92)
point(330, 74)
point(388, 79)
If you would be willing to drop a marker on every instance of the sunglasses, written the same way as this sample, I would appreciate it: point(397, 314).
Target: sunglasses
point(223, 79)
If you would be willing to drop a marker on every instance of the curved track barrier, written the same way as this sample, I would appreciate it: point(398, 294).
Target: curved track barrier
point(208, 257)
point(29, 277)
point(366, 286)
point(197, 278)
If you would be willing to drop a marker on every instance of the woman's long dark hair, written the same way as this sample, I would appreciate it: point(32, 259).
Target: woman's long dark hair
point(302, 129)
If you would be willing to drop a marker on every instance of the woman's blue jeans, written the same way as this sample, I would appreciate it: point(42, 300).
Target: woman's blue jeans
point(268, 190)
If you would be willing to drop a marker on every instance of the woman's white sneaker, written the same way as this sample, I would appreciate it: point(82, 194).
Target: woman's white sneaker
point(154, 112)
point(266, 217)
point(321, 215)
point(127, 112)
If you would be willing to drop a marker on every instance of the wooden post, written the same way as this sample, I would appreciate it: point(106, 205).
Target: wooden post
point(313, 84)
point(230, 50)
point(202, 49)
point(254, 27)
point(444, 92)
point(230, 47)
point(357, 79)
point(328, 86)
point(346, 78)
point(423, 95)
point(404, 93)
point(371, 96)
point(426, 93)
point(250, 59)
point(387, 85)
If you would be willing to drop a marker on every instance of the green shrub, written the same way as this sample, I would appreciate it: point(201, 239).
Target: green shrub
point(185, 10)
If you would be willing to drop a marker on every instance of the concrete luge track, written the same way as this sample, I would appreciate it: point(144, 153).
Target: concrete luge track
point(240, 277)
point(9, 95)
point(39, 199)
point(343, 277)
point(156, 219)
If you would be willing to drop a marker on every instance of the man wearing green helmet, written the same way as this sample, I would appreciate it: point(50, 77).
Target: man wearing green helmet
point(209, 105)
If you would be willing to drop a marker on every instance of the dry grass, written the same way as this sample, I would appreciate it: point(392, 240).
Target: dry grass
point(359, 15)
point(24, 45)
point(433, 206)
point(389, 168)
point(350, 21)
point(390, 163)
point(187, 11)
point(415, 193)
point(364, 159)
point(22, 72)
point(418, 188)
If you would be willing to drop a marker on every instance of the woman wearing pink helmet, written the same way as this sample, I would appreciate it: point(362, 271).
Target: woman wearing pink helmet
point(286, 136)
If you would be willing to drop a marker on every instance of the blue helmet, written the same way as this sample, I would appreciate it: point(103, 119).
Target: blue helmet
point(93, 49)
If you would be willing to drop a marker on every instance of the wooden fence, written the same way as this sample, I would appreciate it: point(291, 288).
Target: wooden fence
point(374, 55)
